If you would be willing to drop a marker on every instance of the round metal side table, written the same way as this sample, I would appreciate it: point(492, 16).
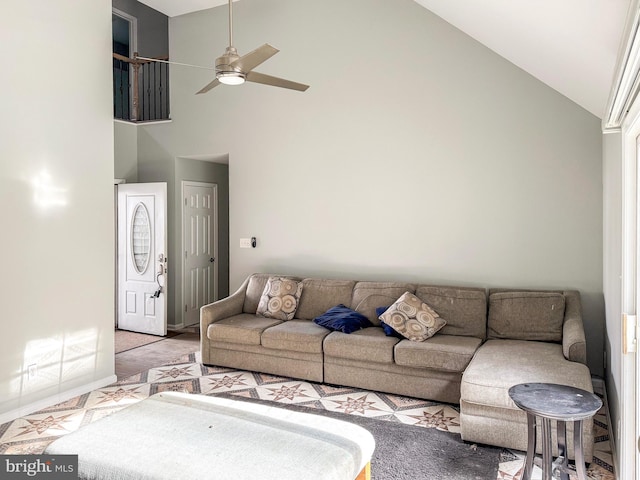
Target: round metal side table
point(562, 403)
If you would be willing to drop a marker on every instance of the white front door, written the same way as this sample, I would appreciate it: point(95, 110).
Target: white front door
point(199, 242)
point(142, 257)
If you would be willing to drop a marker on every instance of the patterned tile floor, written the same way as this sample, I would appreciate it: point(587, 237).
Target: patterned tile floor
point(32, 433)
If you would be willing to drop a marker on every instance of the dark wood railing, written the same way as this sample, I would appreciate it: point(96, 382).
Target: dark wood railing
point(140, 89)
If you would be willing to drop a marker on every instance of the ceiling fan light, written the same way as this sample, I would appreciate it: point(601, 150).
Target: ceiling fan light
point(230, 78)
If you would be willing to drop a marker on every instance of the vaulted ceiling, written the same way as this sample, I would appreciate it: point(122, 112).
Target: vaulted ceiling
point(571, 45)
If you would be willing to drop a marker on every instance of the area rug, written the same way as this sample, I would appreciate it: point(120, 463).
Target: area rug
point(407, 452)
point(125, 340)
point(402, 453)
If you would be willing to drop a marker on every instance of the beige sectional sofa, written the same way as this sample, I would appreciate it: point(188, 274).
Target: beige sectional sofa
point(489, 343)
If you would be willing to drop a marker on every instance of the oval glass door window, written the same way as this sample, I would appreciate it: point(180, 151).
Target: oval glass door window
point(140, 238)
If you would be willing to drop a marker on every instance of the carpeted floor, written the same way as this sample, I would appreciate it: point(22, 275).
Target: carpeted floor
point(408, 452)
point(32, 433)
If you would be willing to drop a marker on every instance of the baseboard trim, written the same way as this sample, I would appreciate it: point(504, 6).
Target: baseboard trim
point(55, 399)
point(599, 386)
point(612, 442)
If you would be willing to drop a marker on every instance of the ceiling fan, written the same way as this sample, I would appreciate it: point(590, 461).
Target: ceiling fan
point(232, 69)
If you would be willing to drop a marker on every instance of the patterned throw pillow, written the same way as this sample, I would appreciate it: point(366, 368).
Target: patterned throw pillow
point(413, 318)
point(279, 298)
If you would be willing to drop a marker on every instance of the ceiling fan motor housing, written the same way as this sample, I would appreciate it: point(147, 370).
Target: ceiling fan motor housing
point(223, 63)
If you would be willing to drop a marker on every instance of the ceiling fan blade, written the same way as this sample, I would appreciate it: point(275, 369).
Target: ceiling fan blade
point(251, 60)
point(256, 77)
point(209, 86)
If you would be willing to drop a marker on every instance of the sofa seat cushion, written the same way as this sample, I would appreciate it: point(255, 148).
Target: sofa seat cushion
point(367, 345)
point(451, 353)
point(500, 364)
point(245, 329)
point(295, 335)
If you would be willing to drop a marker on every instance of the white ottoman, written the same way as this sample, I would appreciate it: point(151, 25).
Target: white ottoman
point(180, 436)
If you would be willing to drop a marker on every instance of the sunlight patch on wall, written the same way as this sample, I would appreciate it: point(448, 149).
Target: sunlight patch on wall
point(48, 362)
point(47, 194)
point(79, 355)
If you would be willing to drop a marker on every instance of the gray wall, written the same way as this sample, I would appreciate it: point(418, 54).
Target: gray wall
point(153, 27)
point(155, 165)
point(417, 154)
point(56, 288)
point(612, 234)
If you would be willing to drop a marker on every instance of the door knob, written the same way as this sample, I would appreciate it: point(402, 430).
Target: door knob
point(212, 259)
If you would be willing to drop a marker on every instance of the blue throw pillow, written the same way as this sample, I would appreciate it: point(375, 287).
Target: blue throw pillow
point(381, 310)
point(342, 319)
point(388, 331)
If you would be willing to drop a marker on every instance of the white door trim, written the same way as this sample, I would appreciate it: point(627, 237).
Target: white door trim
point(629, 414)
point(133, 46)
point(183, 244)
point(133, 29)
point(142, 305)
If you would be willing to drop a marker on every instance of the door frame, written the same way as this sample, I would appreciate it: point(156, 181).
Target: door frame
point(133, 45)
point(146, 188)
point(629, 415)
point(133, 29)
point(183, 243)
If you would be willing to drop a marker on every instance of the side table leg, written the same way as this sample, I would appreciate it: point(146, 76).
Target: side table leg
point(531, 446)
point(561, 428)
point(547, 457)
point(579, 453)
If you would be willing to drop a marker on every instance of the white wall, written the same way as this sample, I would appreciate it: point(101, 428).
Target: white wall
point(56, 201)
point(417, 154)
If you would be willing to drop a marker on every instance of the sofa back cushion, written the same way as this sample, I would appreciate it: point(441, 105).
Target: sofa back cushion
point(255, 287)
point(464, 309)
point(319, 295)
point(526, 315)
point(367, 296)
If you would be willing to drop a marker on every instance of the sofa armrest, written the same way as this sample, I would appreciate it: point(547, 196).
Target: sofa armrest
point(574, 346)
point(227, 307)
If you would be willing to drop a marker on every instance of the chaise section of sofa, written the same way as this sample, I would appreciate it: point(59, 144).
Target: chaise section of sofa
point(534, 336)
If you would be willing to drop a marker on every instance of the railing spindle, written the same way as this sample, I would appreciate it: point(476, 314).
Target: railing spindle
point(160, 91)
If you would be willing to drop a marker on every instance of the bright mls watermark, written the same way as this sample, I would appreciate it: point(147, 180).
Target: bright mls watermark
point(51, 467)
